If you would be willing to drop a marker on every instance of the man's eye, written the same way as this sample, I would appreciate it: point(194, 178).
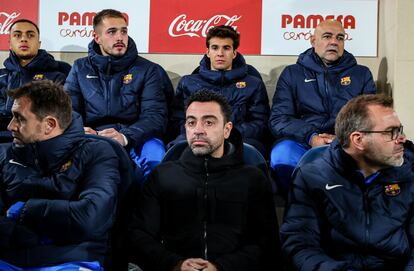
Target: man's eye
point(209, 123)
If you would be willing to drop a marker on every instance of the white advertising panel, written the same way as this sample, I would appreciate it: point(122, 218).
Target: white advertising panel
point(288, 24)
point(67, 25)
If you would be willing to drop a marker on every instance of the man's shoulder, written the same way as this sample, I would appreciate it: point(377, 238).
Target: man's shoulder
point(80, 61)
point(95, 148)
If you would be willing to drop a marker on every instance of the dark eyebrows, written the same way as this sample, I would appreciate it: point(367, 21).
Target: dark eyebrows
point(203, 117)
point(116, 28)
point(28, 31)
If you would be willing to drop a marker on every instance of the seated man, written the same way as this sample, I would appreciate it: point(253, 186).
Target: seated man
point(208, 210)
point(352, 207)
point(224, 70)
point(58, 189)
point(26, 63)
point(309, 95)
point(119, 94)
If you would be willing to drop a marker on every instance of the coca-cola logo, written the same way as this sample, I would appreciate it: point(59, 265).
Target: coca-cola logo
point(181, 26)
point(6, 20)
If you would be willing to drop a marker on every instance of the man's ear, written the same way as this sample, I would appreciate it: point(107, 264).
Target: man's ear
point(96, 37)
point(356, 139)
point(227, 129)
point(51, 123)
point(234, 54)
point(312, 40)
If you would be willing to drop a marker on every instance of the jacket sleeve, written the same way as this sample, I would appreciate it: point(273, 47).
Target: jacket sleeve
point(73, 89)
point(284, 118)
point(260, 249)
point(89, 215)
point(152, 119)
point(145, 237)
point(369, 85)
point(177, 118)
point(255, 124)
point(300, 232)
point(13, 235)
point(410, 264)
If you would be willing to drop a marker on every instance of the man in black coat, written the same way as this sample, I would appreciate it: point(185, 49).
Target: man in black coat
point(208, 210)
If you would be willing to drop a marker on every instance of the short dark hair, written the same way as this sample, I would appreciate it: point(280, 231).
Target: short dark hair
point(223, 31)
point(206, 95)
point(48, 98)
point(106, 13)
point(354, 116)
point(25, 21)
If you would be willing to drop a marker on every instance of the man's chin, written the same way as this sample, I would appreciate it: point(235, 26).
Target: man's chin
point(200, 151)
point(18, 142)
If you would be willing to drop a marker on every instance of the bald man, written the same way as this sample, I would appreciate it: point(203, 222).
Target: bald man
point(309, 95)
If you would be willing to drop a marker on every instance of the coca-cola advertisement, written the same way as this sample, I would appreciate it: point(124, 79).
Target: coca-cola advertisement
point(10, 11)
point(181, 26)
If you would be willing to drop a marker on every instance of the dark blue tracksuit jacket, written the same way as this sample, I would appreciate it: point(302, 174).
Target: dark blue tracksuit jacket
point(309, 95)
point(125, 93)
point(246, 94)
point(43, 66)
point(69, 185)
point(335, 221)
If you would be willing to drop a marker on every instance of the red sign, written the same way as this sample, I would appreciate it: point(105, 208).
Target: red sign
point(11, 11)
point(181, 26)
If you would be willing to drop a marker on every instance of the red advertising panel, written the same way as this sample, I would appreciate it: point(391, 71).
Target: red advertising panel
point(11, 11)
point(178, 26)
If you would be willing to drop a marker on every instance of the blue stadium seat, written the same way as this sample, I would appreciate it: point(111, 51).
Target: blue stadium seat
point(311, 154)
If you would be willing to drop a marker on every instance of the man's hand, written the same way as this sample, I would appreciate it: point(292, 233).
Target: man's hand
point(321, 139)
point(210, 267)
point(195, 264)
point(114, 134)
point(90, 131)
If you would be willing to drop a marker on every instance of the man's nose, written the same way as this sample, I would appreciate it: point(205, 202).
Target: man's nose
point(401, 139)
point(12, 125)
point(199, 129)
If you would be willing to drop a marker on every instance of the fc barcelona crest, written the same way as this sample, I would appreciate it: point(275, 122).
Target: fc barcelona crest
point(392, 190)
point(38, 77)
point(241, 84)
point(66, 166)
point(127, 78)
point(345, 81)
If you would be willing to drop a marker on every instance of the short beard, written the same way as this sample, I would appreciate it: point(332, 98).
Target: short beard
point(202, 151)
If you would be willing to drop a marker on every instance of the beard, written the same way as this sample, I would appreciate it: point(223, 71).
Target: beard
point(206, 149)
point(376, 156)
